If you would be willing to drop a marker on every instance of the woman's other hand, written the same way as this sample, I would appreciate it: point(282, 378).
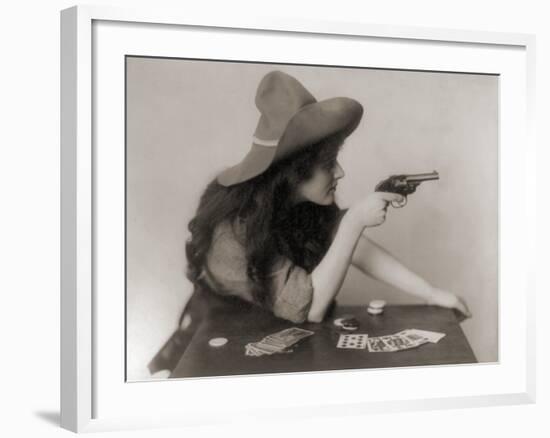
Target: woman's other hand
point(443, 298)
point(371, 211)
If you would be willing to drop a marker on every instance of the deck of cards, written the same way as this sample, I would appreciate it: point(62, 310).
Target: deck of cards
point(279, 342)
point(403, 340)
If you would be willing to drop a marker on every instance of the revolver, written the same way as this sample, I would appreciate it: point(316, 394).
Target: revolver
point(404, 185)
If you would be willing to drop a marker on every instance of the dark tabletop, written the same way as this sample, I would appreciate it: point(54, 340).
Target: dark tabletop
point(318, 352)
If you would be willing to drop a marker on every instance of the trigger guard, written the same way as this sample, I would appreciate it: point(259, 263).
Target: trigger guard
point(397, 204)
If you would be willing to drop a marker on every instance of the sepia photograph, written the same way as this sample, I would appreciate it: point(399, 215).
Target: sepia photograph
point(289, 218)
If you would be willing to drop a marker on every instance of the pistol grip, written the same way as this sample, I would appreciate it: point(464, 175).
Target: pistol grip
point(397, 204)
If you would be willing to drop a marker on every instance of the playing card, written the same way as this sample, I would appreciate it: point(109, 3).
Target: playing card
point(251, 351)
point(289, 336)
point(402, 340)
point(355, 341)
point(377, 345)
point(262, 348)
point(414, 337)
point(390, 345)
point(398, 342)
point(432, 337)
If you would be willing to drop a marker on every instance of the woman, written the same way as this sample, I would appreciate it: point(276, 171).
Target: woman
point(268, 230)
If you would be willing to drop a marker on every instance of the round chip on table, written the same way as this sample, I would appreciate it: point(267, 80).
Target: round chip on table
point(377, 304)
point(340, 320)
point(217, 342)
point(350, 324)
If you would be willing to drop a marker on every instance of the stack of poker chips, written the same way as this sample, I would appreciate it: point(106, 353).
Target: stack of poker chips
point(376, 307)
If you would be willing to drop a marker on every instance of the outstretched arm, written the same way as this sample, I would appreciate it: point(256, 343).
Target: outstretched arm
point(379, 264)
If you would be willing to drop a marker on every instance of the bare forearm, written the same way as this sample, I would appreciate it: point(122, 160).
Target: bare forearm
point(328, 276)
point(378, 263)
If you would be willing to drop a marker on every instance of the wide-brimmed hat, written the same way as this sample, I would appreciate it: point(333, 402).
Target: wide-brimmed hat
point(290, 119)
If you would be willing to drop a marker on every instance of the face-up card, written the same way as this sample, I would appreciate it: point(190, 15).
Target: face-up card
point(432, 337)
point(355, 341)
point(397, 342)
point(413, 337)
point(379, 344)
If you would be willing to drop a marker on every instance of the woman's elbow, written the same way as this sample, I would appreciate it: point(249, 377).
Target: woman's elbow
point(315, 316)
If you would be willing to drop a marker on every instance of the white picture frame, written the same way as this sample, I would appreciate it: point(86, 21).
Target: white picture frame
point(93, 395)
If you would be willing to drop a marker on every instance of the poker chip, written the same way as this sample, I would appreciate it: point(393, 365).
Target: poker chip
point(377, 304)
point(350, 324)
point(339, 321)
point(217, 342)
point(376, 307)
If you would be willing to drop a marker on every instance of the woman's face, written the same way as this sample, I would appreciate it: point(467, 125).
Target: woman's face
point(320, 188)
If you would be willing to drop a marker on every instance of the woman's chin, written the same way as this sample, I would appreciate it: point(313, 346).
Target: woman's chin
point(330, 198)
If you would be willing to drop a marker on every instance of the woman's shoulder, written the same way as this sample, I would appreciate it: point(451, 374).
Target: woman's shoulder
point(225, 267)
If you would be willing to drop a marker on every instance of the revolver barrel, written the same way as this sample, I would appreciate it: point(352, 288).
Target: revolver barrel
point(419, 177)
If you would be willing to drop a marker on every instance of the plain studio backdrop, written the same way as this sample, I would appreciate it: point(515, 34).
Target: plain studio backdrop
point(187, 120)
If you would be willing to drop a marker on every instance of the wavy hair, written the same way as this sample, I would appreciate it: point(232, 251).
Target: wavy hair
point(274, 225)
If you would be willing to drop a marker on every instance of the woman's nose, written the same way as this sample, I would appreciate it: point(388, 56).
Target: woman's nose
point(338, 171)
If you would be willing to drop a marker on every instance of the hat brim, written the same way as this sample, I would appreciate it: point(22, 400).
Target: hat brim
point(319, 120)
point(309, 125)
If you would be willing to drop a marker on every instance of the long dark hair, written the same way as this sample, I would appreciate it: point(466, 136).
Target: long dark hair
point(275, 226)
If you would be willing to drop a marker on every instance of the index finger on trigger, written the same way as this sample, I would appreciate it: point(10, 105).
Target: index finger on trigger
point(390, 197)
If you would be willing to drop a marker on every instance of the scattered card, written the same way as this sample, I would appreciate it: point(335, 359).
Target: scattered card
point(355, 341)
point(432, 337)
point(404, 340)
point(377, 345)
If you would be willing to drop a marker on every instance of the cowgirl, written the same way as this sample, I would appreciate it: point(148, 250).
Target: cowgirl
point(268, 230)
